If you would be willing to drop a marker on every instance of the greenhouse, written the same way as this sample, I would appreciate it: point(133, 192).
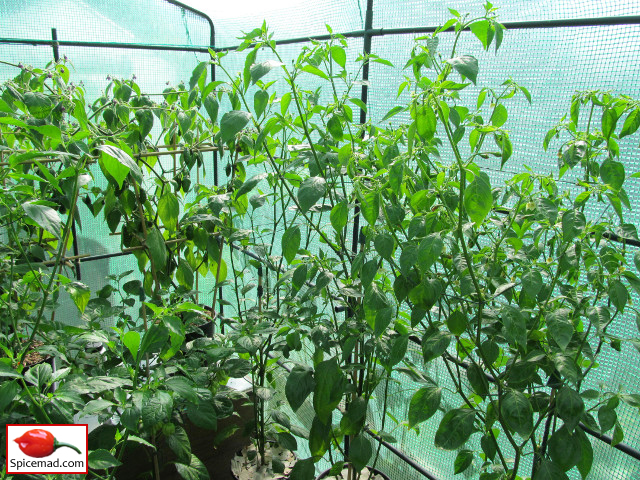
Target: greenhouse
point(349, 239)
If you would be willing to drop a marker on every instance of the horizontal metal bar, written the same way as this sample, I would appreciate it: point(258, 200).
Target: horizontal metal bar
point(623, 447)
point(133, 46)
point(534, 24)
point(374, 32)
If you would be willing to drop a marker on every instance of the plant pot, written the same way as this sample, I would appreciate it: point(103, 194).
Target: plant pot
point(244, 469)
point(374, 474)
point(215, 455)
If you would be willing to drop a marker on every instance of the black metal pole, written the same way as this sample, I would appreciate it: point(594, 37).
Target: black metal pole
point(56, 57)
point(403, 456)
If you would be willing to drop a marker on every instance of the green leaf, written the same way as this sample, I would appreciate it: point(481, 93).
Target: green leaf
point(300, 384)
point(50, 131)
point(612, 173)
point(203, 414)
point(183, 387)
point(259, 70)
point(457, 322)
point(549, 470)
point(303, 470)
point(392, 112)
point(478, 379)
point(370, 207)
point(499, 116)
point(586, 458)
point(426, 121)
point(169, 210)
point(8, 371)
point(478, 199)
point(39, 375)
point(573, 223)
point(384, 244)
point(607, 417)
point(102, 460)
point(250, 184)
point(211, 105)
point(455, 428)
point(338, 55)
point(334, 127)
point(532, 283)
point(353, 419)
point(96, 406)
point(564, 448)
point(131, 340)
point(517, 413)
point(79, 293)
point(156, 408)
point(618, 294)
point(260, 102)
point(154, 339)
point(184, 121)
point(157, 248)
point(231, 123)
point(184, 274)
point(145, 122)
point(489, 446)
point(8, 392)
point(560, 327)
point(287, 441)
point(569, 406)
point(609, 120)
point(291, 243)
point(340, 215)
point(198, 72)
point(506, 147)
point(38, 104)
point(315, 71)
point(463, 461)
point(319, 436)
point(330, 385)
point(424, 404)
point(434, 344)
point(483, 31)
point(299, 276)
point(311, 190)
point(117, 163)
point(284, 103)
point(429, 251)
point(179, 443)
point(618, 435)
point(195, 470)
point(360, 451)
point(466, 66)
point(45, 217)
point(631, 124)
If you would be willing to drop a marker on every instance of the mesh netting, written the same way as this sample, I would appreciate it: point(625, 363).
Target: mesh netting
point(551, 63)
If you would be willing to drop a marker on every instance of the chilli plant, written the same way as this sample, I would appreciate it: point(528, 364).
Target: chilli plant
point(514, 288)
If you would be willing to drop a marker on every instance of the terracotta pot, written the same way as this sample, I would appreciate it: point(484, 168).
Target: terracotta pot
point(325, 474)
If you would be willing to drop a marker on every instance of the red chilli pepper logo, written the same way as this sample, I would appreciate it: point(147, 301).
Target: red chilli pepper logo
point(39, 443)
